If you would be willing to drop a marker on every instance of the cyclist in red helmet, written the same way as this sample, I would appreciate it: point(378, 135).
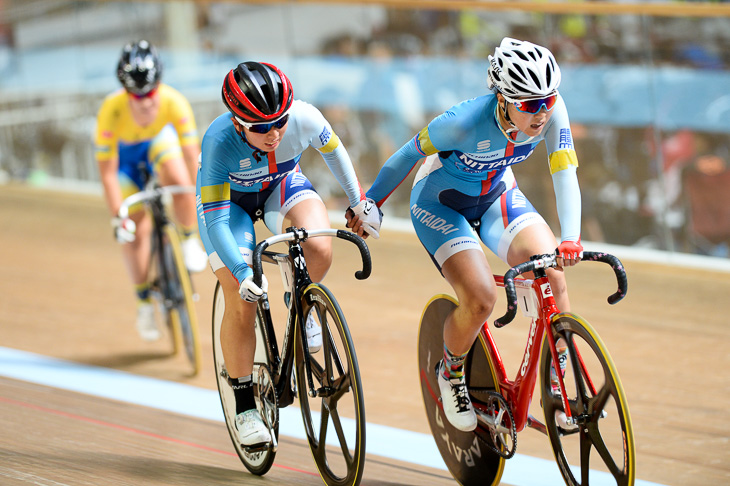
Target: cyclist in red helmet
point(249, 171)
point(150, 124)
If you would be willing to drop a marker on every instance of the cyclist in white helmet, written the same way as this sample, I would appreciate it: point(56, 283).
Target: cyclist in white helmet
point(466, 182)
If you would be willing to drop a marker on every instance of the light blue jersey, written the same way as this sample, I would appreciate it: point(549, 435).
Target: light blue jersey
point(237, 183)
point(468, 179)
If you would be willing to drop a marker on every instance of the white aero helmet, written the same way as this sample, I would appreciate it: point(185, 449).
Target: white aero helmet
point(521, 69)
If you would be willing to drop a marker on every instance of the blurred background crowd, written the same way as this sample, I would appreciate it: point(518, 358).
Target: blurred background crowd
point(648, 92)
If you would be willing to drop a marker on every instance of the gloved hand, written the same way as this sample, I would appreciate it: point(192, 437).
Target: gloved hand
point(124, 229)
point(570, 252)
point(369, 215)
point(250, 292)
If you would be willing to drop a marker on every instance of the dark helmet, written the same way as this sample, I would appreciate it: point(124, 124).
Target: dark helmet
point(139, 69)
point(256, 92)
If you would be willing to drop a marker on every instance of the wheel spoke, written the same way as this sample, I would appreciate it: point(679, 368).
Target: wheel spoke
point(341, 436)
point(595, 437)
point(324, 419)
point(599, 401)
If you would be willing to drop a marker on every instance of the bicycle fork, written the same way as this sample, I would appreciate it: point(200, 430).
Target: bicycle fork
point(301, 281)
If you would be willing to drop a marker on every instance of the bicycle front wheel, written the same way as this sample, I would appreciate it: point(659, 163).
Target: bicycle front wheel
point(599, 447)
point(334, 420)
point(179, 297)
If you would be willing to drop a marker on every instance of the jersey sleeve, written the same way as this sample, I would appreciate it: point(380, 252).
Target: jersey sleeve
point(432, 139)
point(215, 198)
point(563, 163)
point(327, 143)
point(105, 138)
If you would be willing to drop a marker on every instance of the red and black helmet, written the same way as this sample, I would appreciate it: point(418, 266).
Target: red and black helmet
point(257, 92)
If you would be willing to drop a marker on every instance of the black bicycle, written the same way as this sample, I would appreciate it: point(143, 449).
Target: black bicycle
point(327, 383)
point(170, 283)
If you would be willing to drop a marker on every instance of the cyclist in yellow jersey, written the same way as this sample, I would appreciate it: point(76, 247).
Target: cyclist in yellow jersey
point(147, 125)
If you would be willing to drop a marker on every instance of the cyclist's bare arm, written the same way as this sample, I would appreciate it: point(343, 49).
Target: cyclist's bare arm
point(110, 181)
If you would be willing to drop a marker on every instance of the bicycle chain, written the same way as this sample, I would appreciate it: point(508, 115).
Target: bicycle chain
point(502, 404)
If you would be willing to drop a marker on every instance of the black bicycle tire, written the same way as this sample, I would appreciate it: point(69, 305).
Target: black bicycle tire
point(225, 393)
point(184, 315)
point(566, 325)
point(317, 295)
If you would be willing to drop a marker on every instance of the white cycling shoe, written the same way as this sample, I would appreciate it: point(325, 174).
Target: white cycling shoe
point(314, 334)
point(252, 431)
point(457, 405)
point(146, 323)
point(196, 259)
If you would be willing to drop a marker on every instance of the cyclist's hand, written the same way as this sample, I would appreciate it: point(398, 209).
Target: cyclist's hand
point(365, 218)
point(124, 229)
point(569, 253)
point(250, 292)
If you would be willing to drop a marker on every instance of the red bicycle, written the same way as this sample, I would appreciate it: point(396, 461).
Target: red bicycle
point(586, 415)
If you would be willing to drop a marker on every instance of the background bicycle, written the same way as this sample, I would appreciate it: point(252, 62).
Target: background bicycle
point(171, 285)
point(327, 384)
point(586, 414)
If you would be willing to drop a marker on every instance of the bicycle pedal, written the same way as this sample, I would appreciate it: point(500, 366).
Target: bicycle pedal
point(253, 449)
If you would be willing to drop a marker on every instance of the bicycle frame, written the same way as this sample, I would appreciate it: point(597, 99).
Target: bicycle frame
point(542, 310)
point(153, 197)
point(518, 392)
point(295, 277)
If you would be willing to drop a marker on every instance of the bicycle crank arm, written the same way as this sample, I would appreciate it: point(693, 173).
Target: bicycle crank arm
point(535, 424)
point(490, 422)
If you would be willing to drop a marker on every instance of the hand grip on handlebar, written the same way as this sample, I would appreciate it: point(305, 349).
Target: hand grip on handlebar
point(258, 271)
point(509, 287)
point(618, 269)
point(367, 264)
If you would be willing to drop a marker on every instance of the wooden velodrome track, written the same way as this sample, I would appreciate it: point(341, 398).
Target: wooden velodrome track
point(64, 294)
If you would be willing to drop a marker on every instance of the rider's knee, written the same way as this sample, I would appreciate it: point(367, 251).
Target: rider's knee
point(318, 251)
point(480, 305)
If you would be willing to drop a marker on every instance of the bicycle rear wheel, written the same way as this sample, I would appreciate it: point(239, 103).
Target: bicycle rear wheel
point(600, 448)
point(258, 462)
point(179, 298)
point(469, 460)
point(334, 420)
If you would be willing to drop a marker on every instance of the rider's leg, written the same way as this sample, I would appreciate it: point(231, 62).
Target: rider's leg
point(137, 260)
point(312, 214)
point(137, 253)
point(238, 337)
point(469, 274)
point(534, 240)
point(238, 343)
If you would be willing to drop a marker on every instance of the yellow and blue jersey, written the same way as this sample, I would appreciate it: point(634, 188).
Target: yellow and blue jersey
point(118, 135)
